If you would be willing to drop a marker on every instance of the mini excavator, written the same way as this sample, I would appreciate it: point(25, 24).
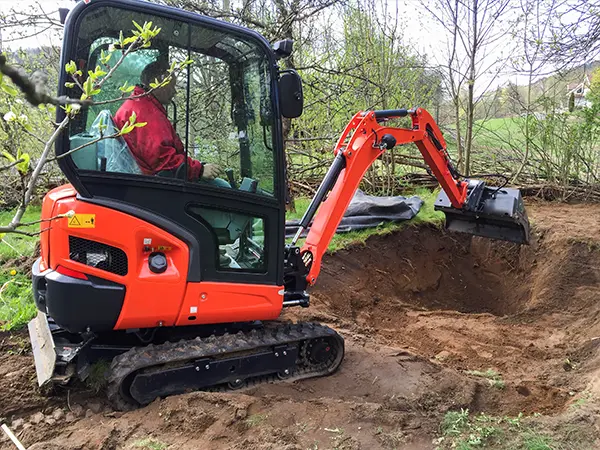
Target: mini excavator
point(178, 285)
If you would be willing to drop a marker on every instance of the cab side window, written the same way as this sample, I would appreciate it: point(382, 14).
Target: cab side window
point(231, 121)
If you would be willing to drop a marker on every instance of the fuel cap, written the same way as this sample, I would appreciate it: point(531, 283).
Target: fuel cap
point(157, 262)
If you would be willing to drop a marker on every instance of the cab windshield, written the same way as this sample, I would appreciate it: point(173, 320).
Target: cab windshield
point(220, 112)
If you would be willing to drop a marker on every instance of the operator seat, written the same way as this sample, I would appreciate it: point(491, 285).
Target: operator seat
point(108, 155)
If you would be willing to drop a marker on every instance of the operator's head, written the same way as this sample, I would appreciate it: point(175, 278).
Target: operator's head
point(158, 71)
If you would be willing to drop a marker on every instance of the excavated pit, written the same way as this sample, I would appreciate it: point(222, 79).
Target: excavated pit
point(427, 269)
point(472, 304)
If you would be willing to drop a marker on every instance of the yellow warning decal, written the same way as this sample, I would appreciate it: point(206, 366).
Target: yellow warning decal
point(82, 221)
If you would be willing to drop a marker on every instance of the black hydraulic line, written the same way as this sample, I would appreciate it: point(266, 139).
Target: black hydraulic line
point(339, 163)
point(383, 113)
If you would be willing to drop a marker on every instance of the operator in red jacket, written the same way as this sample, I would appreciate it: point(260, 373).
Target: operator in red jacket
point(156, 146)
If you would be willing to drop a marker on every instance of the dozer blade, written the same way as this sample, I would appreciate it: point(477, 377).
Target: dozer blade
point(43, 348)
point(489, 212)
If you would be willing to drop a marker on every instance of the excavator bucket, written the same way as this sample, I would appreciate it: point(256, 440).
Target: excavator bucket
point(491, 212)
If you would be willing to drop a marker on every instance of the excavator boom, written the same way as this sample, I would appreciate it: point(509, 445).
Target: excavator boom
point(469, 205)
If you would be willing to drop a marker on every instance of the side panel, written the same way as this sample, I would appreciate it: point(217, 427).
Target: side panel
point(48, 204)
point(151, 299)
point(208, 302)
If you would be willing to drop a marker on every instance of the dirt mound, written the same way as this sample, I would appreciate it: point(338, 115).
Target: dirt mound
point(433, 322)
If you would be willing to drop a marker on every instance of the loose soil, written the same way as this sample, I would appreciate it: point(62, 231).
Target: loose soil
point(420, 310)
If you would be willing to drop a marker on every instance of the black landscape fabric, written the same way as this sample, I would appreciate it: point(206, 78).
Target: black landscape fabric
point(368, 211)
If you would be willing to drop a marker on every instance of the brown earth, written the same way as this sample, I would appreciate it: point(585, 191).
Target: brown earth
point(418, 309)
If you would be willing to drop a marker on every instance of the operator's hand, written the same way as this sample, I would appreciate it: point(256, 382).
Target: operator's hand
point(210, 171)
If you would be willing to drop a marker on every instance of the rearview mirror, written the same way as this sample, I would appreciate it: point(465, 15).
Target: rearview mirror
point(291, 99)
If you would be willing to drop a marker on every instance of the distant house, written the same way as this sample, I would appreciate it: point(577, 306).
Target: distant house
point(580, 91)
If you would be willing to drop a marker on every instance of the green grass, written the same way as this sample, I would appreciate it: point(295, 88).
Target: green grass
point(465, 431)
point(16, 300)
point(499, 133)
point(14, 245)
point(426, 215)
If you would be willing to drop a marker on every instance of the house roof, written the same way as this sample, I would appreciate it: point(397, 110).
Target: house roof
point(573, 87)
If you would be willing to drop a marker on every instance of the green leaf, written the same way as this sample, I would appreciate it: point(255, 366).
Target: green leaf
point(129, 40)
point(137, 25)
point(88, 86)
point(126, 89)
point(8, 156)
point(132, 117)
point(140, 124)
point(95, 91)
point(69, 85)
point(99, 72)
point(105, 57)
point(9, 89)
point(28, 127)
point(23, 166)
point(126, 129)
point(2, 236)
point(70, 67)
point(79, 73)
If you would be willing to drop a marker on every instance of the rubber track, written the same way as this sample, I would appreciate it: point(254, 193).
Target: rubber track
point(140, 358)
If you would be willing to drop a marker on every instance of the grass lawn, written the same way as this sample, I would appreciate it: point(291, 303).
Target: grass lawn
point(14, 245)
point(16, 301)
point(500, 133)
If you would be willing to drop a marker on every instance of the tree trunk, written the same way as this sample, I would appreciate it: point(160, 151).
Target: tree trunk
point(471, 87)
point(459, 147)
point(527, 129)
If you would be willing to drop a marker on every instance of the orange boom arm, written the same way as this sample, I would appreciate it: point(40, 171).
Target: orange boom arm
point(361, 143)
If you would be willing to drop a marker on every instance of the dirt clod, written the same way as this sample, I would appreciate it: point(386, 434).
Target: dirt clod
point(58, 414)
point(38, 417)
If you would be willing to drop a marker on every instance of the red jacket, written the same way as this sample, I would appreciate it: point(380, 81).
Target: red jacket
point(156, 146)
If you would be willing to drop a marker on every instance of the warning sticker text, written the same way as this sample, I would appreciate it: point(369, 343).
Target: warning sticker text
point(82, 221)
